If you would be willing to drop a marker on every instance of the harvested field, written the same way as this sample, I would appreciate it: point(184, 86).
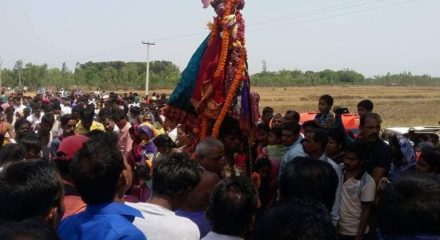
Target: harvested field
point(398, 105)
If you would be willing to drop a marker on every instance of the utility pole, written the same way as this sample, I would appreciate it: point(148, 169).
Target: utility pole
point(147, 75)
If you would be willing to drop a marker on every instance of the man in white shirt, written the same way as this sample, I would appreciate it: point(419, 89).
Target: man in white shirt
point(232, 209)
point(35, 117)
point(314, 144)
point(173, 179)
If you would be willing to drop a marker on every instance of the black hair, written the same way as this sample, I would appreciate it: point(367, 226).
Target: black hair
point(292, 126)
point(119, 115)
point(56, 106)
point(320, 136)
point(35, 105)
point(31, 142)
point(142, 171)
point(19, 122)
point(295, 115)
point(87, 113)
point(328, 99)
point(65, 119)
point(357, 147)
point(232, 206)
point(28, 229)
point(29, 189)
point(296, 219)
point(135, 110)
point(267, 110)
point(277, 130)
point(229, 126)
point(304, 177)
point(337, 135)
point(367, 104)
point(12, 152)
point(432, 158)
point(410, 206)
point(175, 175)
point(46, 108)
point(364, 118)
point(96, 168)
point(311, 124)
point(48, 118)
point(26, 110)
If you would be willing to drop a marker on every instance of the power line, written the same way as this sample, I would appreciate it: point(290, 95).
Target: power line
point(261, 25)
point(335, 16)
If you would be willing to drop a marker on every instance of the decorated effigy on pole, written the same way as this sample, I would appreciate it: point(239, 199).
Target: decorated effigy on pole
point(216, 83)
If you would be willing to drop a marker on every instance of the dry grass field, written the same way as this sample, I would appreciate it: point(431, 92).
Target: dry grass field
point(398, 105)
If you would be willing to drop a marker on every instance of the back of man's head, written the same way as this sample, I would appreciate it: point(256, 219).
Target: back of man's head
point(96, 169)
point(204, 147)
point(29, 189)
point(175, 175)
point(410, 206)
point(232, 206)
point(87, 113)
point(296, 219)
point(305, 177)
point(11, 152)
point(28, 229)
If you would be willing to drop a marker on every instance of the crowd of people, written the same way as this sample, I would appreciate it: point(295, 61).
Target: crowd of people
point(113, 166)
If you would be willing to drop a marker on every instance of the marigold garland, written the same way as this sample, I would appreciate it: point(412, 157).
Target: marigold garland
point(230, 95)
point(204, 130)
point(225, 40)
point(214, 30)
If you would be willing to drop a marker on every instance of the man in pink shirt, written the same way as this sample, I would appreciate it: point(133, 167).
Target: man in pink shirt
point(125, 142)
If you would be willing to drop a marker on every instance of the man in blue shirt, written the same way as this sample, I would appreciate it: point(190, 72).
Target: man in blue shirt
point(101, 176)
point(291, 138)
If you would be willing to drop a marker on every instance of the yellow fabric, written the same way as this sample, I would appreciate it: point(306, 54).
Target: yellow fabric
point(155, 131)
point(79, 129)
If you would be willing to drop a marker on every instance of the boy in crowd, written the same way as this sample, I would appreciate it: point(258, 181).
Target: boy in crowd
point(68, 124)
point(409, 208)
point(232, 208)
point(86, 123)
point(364, 106)
point(298, 218)
point(173, 180)
point(102, 176)
point(325, 118)
point(31, 189)
point(267, 115)
point(358, 193)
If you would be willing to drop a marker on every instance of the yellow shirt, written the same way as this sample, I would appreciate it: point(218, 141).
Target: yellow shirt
point(79, 129)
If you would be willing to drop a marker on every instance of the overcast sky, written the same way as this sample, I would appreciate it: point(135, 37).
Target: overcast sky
point(369, 36)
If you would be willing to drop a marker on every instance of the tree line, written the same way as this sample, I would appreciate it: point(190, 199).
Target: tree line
point(165, 74)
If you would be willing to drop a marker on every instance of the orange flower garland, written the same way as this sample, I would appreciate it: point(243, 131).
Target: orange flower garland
point(214, 30)
point(204, 131)
point(230, 95)
point(225, 40)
